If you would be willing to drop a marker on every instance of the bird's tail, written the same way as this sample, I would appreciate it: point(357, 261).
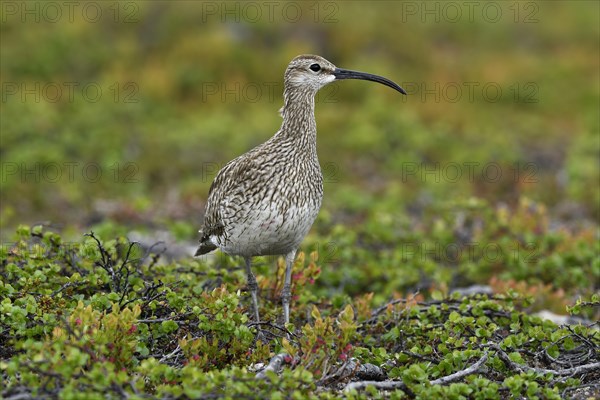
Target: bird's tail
point(206, 246)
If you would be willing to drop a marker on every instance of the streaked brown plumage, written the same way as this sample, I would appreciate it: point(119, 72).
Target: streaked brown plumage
point(265, 201)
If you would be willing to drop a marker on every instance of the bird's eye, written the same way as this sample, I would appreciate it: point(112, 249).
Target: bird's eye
point(315, 67)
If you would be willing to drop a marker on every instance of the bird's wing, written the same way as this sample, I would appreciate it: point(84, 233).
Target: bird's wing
point(230, 186)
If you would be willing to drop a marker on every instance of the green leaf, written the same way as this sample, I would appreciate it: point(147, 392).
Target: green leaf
point(169, 326)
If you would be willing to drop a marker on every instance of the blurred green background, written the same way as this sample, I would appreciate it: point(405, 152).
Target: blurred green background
point(124, 111)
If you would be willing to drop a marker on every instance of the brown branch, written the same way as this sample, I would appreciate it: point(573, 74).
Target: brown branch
point(461, 374)
point(171, 354)
point(352, 367)
point(379, 310)
point(283, 329)
point(560, 372)
point(157, 320)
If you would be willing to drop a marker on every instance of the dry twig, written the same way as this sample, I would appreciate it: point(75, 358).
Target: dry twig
point(274, 365)
point(391, 385)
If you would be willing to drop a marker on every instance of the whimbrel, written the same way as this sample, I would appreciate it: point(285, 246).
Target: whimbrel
point(265, 201)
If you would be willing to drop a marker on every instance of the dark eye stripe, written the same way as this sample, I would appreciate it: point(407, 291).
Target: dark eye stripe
point(315, 67)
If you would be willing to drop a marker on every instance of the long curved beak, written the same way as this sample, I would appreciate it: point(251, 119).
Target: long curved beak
point(340, 73)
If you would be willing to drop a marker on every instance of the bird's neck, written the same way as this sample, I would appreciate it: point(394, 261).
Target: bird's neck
point(299, 122)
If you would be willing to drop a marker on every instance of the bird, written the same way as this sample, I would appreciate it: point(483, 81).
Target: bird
point(265, 201)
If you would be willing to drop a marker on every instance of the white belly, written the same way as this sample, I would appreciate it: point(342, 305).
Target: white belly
point(268, 231)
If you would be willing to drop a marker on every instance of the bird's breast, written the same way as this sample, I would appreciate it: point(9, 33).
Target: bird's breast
point(274, 217)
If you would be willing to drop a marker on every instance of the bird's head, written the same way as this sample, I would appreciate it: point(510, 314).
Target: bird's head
point(310, 72)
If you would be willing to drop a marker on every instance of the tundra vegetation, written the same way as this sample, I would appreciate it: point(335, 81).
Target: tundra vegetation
point(458, 222)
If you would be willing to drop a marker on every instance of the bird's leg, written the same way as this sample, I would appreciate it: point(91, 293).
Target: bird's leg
point(286, 295)
point(253, 286)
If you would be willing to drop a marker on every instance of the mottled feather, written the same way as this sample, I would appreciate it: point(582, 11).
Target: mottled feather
point(264, 201)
